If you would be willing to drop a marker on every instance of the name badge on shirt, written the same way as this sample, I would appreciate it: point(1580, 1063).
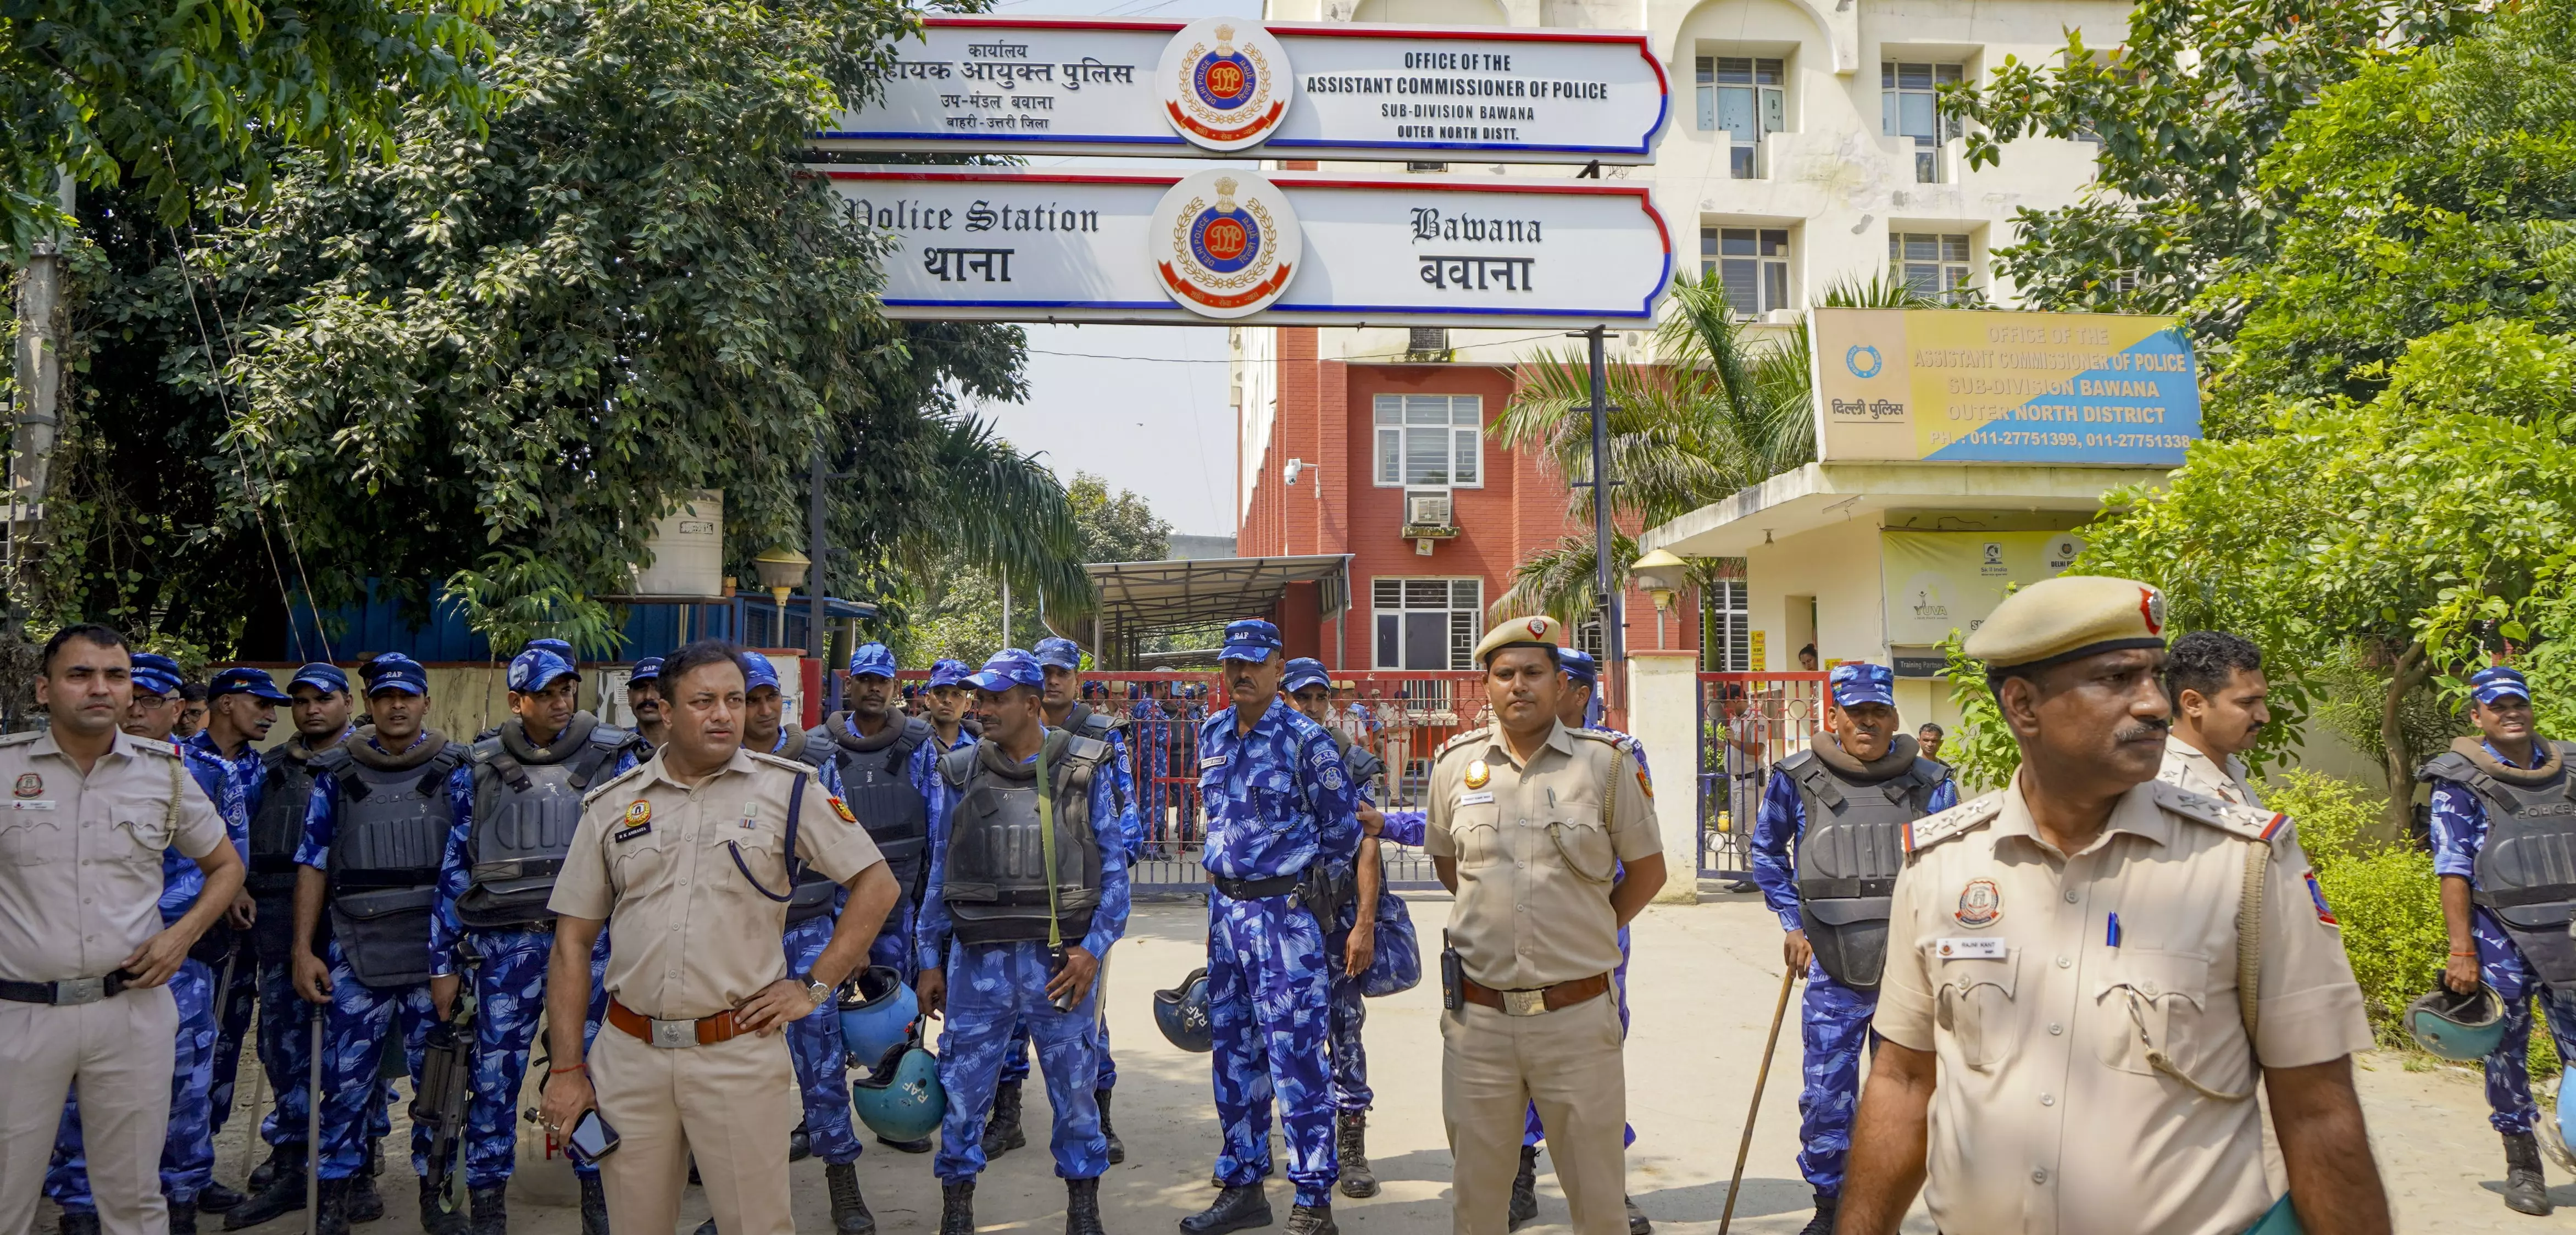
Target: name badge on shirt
point(1476, 799)
point(1969, 949)
point(1212, 761)
point(31, 804)
point(631, 833)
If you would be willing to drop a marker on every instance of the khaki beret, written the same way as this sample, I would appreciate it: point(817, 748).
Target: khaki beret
point(1539, 631)
point(2070, 616)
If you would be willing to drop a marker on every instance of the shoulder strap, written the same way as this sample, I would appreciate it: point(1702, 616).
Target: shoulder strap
point(1931, 830)
point(2249, 943)
point(956, 764)
point(2245, 821)
point(613, 782)
point(1470, 736)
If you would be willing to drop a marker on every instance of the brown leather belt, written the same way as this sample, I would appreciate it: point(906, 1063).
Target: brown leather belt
point(705, 1031)
point(1544, 999)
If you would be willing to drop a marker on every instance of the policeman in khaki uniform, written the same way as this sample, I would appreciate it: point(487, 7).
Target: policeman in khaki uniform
point(85, 957)
point(696, 854)
point(1530, 824)
point(2066, 1043)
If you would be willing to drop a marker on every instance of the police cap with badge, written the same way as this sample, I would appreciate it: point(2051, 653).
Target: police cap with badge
point(1529, 632)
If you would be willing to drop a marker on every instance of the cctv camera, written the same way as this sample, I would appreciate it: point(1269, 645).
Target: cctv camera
point(1289, 473)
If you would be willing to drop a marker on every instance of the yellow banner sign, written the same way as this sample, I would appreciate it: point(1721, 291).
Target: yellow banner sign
point(1972, 385)
point(1938, 582)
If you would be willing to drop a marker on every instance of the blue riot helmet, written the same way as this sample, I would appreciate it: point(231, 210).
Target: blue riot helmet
point(901, 1098)
point(877, 1012)
point(2560, 1140)
point(1182, 1013)
point(2457, 1027)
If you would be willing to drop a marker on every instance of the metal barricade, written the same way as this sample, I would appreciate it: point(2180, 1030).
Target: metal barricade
point(1747, 722)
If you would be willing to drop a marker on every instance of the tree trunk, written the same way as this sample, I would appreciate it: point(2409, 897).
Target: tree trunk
point(2410, 671)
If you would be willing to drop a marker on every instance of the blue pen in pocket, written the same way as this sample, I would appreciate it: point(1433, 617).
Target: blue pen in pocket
point(2112, 936)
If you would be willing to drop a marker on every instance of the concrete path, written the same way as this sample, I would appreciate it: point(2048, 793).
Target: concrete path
point(1705, 981)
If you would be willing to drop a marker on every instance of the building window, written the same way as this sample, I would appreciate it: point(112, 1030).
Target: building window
point(1430, 440)
point(1930, 264)
point(1726, 643)
point(1909, 106)
point(1754, 264)
point(1744, 97)
point(1427, 625)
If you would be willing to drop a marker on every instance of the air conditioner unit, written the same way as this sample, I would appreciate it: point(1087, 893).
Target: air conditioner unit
point(1429, 510)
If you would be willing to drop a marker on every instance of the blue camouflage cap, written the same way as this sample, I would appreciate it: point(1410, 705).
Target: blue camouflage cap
point(156, 673)
point(949, 673)
point(1008, 668)
point(1059, 654)
point(758, 672)
point(1249, 639)
point(1303, 672)
point(1578, 666)
point(872, 660)
point(648, 669)
point(2498, 682)
point(242, 680)
point(1856, 682)
point(394, 671)
point(537, 668)
point(556, 646)
point(321, 675)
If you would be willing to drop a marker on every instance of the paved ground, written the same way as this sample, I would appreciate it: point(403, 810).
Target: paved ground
point(1705, 980)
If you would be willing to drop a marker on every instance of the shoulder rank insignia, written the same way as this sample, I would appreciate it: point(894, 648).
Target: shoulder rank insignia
point(1931, 830)
point(596, 792)
point(781, 762)
point(1472, 735)
point(2245, 821)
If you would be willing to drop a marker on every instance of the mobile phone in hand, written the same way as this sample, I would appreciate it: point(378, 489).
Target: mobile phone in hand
point(1056, 961)
point(592, 1139)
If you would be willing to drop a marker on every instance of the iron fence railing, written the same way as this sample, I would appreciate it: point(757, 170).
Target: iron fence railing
point(1747, 722)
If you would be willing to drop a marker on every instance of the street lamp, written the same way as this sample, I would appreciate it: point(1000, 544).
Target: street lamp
point(780, 571)
point(1660, 573)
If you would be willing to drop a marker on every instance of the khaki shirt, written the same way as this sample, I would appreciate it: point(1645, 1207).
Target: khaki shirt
point(80, 856)
point(1524, 918)
point(692, 937)
point(2047, 1115)
point(2187, 768)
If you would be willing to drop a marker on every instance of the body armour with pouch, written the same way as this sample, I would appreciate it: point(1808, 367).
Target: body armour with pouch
point(527, 801)
point(2526, 869)
point(995, 881)
point(394, 816)
point(876, 787)
point(1852, 848)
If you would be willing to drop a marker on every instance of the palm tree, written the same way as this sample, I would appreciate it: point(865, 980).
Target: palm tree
point(1724, 407)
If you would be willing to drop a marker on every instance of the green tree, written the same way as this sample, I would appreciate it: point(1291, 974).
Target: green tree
point(961, 613)
point(182, 99)
point(1120, 528)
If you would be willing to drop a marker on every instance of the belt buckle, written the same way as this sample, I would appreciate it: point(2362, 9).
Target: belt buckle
point(673, 1035)
point(79, 991)
point(1523, 1003)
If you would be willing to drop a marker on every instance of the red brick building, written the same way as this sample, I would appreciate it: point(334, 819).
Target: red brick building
point(1393, 466)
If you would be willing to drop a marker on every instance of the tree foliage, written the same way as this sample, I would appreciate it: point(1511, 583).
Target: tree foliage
point(961, 611)
point(181, 98)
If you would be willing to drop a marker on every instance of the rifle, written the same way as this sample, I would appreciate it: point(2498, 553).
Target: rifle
point(446, 1082)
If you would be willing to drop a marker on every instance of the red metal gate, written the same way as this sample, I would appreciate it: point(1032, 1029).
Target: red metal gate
point(1747, 722)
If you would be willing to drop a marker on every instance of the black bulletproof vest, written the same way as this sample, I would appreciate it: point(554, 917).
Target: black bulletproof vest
point(527, 801)
point(2526, 869)
point(814, 893)
point(996, 877)
point(1848, 856)
point(385, 852)
point(285, 791)
point(873, 783)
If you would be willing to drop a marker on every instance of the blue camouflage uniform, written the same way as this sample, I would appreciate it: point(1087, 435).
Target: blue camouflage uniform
point(2459, 831)
point(1278, 801)
point(1833, 1018)
point(1348, 1008)
point(248, 774)
point(994, 987)
point(285, 1020)
point(360, 1017)
point(1153, 729)
point(509, 978)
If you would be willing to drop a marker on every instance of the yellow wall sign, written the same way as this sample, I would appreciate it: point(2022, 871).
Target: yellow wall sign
point(1998, 387)
point(1937, 582)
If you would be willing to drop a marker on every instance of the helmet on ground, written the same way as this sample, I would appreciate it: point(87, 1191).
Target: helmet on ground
point(901, 1099)
point(2559, 1139)
point(1182, 1013)
point(2457, 1027)
point(877, 1012)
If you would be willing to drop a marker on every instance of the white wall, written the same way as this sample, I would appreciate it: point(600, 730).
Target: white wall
point(1836, 564)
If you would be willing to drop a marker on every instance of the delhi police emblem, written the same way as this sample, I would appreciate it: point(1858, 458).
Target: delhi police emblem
point(1226, 84)
point(29, 785)
point(639, 812)
point(1981, 903)
point(1478, 774)
point(1227, 243)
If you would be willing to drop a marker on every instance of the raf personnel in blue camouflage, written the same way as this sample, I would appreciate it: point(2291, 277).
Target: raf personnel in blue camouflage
point(241, 708)
point(1864, 781)
point(947, 698)
point(1282, 838)
point(1351, 946)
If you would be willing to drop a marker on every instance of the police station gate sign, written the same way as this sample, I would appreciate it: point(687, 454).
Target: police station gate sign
point(1287, 248)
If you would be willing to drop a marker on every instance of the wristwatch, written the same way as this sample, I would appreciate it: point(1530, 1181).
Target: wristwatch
point(819, 992)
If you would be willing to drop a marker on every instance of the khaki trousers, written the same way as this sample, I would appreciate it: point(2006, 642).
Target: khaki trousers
point(121, 1050)
point(1492, 1066)
point(731, 1105)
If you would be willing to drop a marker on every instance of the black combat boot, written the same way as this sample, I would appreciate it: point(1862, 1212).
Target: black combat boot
point(78, 1222)
point(265, 1173)
point(183, 1218)
point(2525, 1191)
point(283, 1193)
point(1525, 1189)
point(218, 1199)
point(1350, 1145)
point(1637, 1223)
point(1117, 1148)
point(1236, 1209)
point(920, 1145)
point(331, 1208)
point(491, 1211)
point(957, 1207)
point(800, 1144)
point(1823, 1222)
point(435, 1217)
point(850, 1214)
point(367, 1205)
point(1082, 1206)
point(1002, 1132)
point(1312, 1220)
point(594, 1206)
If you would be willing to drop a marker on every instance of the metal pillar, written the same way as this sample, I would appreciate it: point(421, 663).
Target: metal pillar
point(39, 361)
point(818, 552)
point(1605, 582)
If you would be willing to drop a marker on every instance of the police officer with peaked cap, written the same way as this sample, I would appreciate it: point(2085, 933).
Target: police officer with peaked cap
point(1282, 837)
point(696, 853)
point(2066, 1042)
point(1843, 804)
point(497, 869)
point(85, 955)
point(2498, 800)
point(1547, 834)
point(1027, 890)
